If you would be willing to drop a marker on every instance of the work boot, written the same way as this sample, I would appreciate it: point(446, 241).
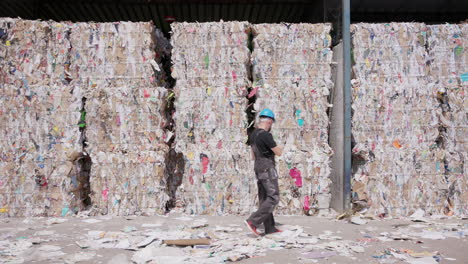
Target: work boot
point(276, 230)
point(252, 227)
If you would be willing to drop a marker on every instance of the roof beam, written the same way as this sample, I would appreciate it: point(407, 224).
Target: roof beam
point(193, 12)
point(99, 10)
point(93, 13)
point(277, 13)
point(248, 11)
point(133, 16)
point(217, 13)
point(164, 12)
point(123, 12)
point(201, 13)
point(178, 14)
point(106, 12)
point(10, 10)
point(82, 13)
point(262, 12)
point(53, 13)
point(224, 12)
point(64, 7)
point(146, 12)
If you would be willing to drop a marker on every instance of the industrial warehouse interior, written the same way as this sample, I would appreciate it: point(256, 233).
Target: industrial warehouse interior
point(129, 131)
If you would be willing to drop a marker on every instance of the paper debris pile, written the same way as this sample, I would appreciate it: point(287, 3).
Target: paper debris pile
point(145, 240)
point(210, 65)
point(292, 76)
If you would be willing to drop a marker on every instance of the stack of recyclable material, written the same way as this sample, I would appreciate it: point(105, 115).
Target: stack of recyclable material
point(38, 120)
point(292, 76)
point(58, 53)
point(395, 121)
point(125, 141)
point(210, 65)
point(117, 65)
point(449, 77)
point(116, 54)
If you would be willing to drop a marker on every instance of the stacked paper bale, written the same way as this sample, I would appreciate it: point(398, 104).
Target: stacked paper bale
point(449, 77)
point(292, 76)
point(38, 119)
point(58, 53)
point(395, 120)
point(117, 65)
point(211, 71)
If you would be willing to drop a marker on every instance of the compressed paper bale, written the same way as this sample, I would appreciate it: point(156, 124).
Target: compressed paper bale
point(448, 73)
point(46, 134)
point(126, 144)
point(126, 184)
point(211, 55)
point(449, 61)
point(309, 45)
point(53, 66)
point(121, 50)
point(403, 57)
point(220, 186)
point(58, 52)
point(210, 65)
point(25, 51)
point(125, 118)
point(395, 120)
point(202, 115)
point(120, 67)
point(292, 76)
point(396, 183)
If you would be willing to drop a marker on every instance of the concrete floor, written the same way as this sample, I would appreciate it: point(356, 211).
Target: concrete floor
point(27, 240)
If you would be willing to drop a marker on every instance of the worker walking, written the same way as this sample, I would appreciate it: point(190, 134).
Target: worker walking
point(264, 149)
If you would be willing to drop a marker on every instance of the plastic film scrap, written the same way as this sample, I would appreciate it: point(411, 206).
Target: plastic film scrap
point(117, 66)
point(211, 71)
point(397, 158)
point(38, 113)
point(292, 76)
point(448, 71)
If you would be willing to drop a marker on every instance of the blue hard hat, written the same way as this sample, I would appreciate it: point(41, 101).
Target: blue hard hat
point(267, 113)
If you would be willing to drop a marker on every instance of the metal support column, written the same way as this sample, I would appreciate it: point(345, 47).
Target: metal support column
point(346, 20)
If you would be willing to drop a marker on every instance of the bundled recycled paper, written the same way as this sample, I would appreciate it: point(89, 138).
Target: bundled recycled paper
point(120, 70)
point(210, 65)
point(395, 120)
point(38, 116)
point(292, 77)
point(100, 89)
point(448, 72)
